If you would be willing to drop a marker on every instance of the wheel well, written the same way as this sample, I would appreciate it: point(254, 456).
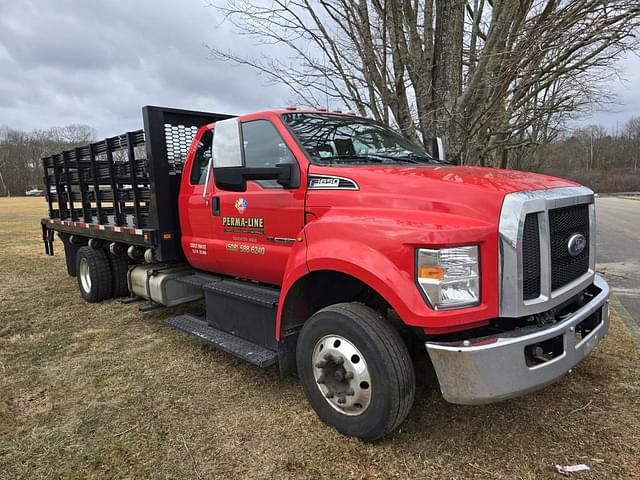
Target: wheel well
point(320, 289)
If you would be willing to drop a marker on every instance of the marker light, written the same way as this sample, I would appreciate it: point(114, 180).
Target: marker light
point(450, 277)
point(433, 273)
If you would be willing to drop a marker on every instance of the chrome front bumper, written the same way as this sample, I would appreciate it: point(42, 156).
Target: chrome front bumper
point(494, 368)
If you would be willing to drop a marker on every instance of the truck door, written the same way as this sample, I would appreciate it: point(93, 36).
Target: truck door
point(195, 209)
point(256, 228)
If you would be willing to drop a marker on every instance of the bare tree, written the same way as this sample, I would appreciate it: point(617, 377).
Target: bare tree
point(496, 77)
point(632, 133)
point(20, 153)
point(594, 148)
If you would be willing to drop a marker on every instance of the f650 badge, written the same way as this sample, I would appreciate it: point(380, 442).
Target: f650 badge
point(322, 182)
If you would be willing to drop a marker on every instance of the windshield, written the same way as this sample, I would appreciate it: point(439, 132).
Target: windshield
point(336, 139)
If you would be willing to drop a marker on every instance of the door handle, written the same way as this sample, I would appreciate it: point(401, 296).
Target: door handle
point(215, 206)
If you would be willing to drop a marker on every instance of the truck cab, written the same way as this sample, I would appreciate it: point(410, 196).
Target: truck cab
point(247, 233)
point(334, 247)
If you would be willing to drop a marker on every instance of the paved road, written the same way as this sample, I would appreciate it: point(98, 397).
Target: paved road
point(618, 249)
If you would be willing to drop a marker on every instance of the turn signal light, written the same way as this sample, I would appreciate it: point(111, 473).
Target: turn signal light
point(433, 273)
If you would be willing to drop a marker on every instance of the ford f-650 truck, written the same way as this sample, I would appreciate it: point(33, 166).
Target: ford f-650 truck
point(332, 246)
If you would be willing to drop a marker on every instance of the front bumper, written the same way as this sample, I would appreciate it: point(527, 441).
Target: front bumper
point(494, 368)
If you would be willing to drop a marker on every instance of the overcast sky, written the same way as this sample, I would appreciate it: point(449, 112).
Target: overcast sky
point(98, 62)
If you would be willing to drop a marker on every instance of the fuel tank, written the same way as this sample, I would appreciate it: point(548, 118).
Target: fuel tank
point(159, 283)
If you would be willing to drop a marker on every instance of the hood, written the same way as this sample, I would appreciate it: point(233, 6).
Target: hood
point(466, 191)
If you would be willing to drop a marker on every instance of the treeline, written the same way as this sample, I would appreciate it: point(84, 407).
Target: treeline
point(20, 153)
point(605, 160)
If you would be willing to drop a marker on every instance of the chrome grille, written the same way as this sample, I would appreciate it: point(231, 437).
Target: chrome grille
point(563, 223)
point(531, 258)
point(537, 272)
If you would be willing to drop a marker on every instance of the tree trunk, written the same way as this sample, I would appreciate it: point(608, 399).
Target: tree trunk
point(447, 71)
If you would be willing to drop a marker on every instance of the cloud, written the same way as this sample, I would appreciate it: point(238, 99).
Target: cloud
point(99, 62)
point(73, 61)
point(627, 103)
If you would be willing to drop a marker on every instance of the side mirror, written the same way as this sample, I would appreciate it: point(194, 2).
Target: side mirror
point(229, 170)
point(437, 149)
point(234, 179)
point(226, 149)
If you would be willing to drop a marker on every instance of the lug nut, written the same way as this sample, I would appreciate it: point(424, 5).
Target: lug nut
point(329, 395)
point(321, 364)
point(348, 375)
point(342, 399)
point(350, 392)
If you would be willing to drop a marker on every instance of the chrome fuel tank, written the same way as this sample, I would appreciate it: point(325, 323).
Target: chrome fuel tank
point(159, 283)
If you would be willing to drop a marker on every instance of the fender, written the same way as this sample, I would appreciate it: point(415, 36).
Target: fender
point(384, 261)
point(296, 269)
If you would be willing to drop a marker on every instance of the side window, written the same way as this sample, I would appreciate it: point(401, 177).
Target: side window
point(264, 147)
point(201, 161)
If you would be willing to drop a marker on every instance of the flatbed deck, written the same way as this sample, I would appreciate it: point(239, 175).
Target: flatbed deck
point(124, 189)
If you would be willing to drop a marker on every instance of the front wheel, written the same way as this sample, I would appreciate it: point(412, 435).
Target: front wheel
point(355, 370)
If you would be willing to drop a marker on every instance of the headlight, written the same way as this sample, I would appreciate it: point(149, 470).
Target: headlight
point(449, 277)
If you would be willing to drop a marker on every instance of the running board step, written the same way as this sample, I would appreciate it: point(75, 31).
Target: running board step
point(239, 347)
point(199, 279)
point(261, 295)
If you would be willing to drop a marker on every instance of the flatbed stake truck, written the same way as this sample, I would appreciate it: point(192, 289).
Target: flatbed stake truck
point(329, 245)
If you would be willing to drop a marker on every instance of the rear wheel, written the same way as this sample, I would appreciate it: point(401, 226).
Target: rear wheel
point(93, 274)
point(119, 269)
point(355, 370)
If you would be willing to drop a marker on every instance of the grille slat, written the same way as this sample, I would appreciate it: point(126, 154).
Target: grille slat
point(563, 223)
point(531, 258)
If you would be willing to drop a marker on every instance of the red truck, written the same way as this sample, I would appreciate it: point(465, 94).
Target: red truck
point(332, 246)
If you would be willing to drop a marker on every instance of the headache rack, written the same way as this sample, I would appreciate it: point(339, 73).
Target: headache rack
point(125, 189)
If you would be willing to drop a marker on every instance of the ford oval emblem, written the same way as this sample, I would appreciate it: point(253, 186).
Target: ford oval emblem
point(576, 244)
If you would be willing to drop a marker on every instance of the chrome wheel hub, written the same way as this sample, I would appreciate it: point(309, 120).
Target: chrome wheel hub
point(341, 373)
point(85, 275)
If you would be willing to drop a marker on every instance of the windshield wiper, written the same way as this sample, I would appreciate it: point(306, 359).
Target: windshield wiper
point(380, 158)
point(340, 158)
point(398, 158)
point(428, 159)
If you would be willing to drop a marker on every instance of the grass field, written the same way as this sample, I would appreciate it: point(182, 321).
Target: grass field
point(101, 391)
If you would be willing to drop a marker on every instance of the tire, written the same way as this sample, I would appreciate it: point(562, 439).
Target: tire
point(119, 269)
point(93, 274)
point(373, 351)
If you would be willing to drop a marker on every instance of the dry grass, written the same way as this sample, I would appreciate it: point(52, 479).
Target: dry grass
point(104, 392)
